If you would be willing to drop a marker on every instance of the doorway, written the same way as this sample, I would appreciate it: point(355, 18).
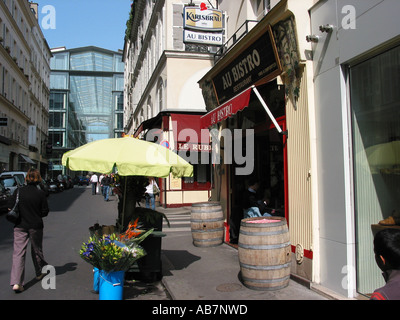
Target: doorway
point(270, 168)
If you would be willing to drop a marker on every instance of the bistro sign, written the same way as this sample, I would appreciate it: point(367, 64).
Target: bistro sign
point(258, 61)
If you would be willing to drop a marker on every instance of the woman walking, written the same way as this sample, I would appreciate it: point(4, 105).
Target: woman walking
point(151, 191)
point(33, 207)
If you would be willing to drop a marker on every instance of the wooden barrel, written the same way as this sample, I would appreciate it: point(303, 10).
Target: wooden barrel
point(207, 224)
point(264, 253)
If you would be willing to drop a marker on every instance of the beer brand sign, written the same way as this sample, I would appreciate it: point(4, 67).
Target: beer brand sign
point(200, 19)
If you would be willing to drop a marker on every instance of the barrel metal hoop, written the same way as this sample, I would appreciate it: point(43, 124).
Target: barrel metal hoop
point(266, 280)
point(264, 247)
point(277, 267)
point(207, 240)
point(206, 220)
point(208, 230)
point(206, 211)
point(278, 223)
point(270, 233)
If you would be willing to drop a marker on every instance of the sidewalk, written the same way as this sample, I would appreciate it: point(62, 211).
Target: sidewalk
point(194, 273)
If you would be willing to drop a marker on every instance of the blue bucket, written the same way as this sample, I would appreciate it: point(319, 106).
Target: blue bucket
point(111, 285)
point(96, 279)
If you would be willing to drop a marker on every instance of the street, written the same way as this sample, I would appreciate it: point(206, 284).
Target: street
point(72, 212)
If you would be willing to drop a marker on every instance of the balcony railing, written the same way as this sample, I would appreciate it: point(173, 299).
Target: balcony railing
point(237, 36)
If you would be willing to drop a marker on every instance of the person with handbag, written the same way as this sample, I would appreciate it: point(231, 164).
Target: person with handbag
point(32, 207)
point(151, 191)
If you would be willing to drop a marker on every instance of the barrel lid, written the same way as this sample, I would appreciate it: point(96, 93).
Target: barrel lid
point(263, 220)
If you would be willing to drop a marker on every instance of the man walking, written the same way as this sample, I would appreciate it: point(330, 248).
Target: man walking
point(105, 182)
point(93, 181)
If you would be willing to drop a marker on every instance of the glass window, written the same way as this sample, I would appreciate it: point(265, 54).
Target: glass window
point(375, 102)
point(57, 101)
point(56, 119)
point(59, 61)
point(56, 138)
point(92, 61)
point(58, 80)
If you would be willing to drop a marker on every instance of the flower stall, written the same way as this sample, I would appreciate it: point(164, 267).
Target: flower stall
point(111, 255)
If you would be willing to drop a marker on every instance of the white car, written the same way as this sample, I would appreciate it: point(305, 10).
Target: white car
point(20, 175)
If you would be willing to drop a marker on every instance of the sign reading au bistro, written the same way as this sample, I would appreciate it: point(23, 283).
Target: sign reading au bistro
point(258, 61)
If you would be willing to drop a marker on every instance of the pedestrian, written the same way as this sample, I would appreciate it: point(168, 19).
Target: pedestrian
point(151, 190)
point(387, 257)
point(251, 205)
point(100, 185)
point(33, 207)
point(105, 185)
point(93, 181)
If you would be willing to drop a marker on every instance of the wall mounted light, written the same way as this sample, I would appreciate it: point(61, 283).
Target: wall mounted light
point(312, 38)
point(326, 28)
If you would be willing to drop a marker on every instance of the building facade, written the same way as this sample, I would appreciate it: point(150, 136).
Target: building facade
point(259, 95)
point(24, 88)
point(162, 68)
point(356, 76)
point(86, 99)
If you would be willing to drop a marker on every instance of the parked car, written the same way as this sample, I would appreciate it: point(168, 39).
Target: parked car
point(83, 180)
point(10, 182)
point(4, 199)
point(21, 175)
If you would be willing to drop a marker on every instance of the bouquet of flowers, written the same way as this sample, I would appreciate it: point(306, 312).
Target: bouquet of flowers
point(114, 252)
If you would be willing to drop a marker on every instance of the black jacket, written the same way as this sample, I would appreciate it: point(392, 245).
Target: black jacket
point(32, 205)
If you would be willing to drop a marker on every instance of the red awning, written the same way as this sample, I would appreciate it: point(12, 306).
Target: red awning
point(227, 109)
point(188, 133)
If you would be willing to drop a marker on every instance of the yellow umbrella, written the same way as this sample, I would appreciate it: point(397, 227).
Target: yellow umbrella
point(132, 157)
point(384, 155)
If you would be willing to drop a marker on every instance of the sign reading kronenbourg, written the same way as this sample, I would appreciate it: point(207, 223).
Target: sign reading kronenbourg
point(214, 39)
point(206, 20)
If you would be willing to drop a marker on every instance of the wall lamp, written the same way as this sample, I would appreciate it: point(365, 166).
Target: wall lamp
point(312, 38)
point(326, 28)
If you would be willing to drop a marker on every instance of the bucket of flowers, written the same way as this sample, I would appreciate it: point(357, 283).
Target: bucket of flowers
point(111, 256)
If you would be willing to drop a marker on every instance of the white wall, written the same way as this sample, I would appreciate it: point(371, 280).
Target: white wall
point(376, 23)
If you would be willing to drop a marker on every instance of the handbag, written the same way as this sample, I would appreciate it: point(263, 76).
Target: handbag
point(13, 214)
point(156, 191)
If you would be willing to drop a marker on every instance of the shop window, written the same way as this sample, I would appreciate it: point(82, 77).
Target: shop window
point(375, 106)
point(201, 179)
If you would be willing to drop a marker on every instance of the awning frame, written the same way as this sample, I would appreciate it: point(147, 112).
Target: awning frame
point(262, 101)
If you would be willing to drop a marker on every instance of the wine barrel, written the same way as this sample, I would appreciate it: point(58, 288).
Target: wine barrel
point(207, 224)
point(264, 253)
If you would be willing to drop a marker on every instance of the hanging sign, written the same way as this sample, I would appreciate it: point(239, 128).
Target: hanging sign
point(206, 19)
point(203, 38)
point(258, 61)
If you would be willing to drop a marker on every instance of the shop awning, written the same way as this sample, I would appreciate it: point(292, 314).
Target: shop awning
point(226, 110)
point(231, 107)
point(26, 159)
point(187, 132)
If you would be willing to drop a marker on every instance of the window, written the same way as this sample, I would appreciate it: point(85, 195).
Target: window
point(160, 96)
point(57, 101)
point(375, 110)
point(56, 119)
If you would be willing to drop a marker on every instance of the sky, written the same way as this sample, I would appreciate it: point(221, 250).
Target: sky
point(81, 23)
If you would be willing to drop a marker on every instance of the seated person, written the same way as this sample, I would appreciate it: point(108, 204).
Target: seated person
point(251, 206)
